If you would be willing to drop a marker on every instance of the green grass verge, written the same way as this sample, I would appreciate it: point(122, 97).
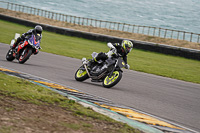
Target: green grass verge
point(25, 90)
point(139, 60)
point(17, 88)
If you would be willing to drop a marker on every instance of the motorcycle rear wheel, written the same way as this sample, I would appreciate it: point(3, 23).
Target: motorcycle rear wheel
point(27, 53)
point(81, 75)
point(9, 55)
point(113, 80)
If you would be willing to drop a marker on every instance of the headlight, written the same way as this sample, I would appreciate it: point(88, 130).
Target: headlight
point(36, 47)
point(30, 43)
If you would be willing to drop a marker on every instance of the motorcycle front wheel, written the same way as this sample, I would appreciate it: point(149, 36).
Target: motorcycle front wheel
point(81, 75)
point(25, 55)
point(113, 80)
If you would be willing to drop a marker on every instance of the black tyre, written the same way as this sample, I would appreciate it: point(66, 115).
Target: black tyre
point(9, 55)
point(113, 80)
point(25, 55)
point(81, 75)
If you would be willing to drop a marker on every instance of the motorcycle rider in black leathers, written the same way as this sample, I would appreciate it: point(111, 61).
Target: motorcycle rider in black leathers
point(122, 49)
point(37, 30)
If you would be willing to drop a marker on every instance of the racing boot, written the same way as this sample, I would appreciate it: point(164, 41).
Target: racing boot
point(14, 46)
point(16, 43)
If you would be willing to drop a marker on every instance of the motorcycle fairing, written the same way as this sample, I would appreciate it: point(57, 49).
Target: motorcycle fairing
point(121, 63)
point(34, 40)
point(22, 46)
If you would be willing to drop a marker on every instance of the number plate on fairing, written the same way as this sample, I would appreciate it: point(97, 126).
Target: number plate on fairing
point(121, 63)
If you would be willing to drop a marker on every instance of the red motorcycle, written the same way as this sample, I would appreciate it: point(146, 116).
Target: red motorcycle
point(25, 49)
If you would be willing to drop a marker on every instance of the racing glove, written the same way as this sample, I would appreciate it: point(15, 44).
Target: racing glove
point(127, 66)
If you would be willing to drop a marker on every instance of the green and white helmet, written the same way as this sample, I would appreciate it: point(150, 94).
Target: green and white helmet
point(127, 46)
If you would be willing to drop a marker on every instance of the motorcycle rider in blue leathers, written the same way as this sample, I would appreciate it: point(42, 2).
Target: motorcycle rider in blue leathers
point(37, 30)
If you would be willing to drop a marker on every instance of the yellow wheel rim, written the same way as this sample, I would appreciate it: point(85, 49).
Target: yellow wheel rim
point(81, 73)
point(112, 79)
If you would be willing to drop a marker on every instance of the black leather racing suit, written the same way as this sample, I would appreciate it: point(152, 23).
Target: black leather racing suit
point(120, 50)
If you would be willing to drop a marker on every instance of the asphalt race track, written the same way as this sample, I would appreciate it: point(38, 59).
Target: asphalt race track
point(174, 100)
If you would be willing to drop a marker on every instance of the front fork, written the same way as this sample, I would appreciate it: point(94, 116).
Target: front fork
point(84, 61)
point(113, 69)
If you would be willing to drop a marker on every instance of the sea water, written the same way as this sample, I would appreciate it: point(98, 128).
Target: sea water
point(171, 14)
